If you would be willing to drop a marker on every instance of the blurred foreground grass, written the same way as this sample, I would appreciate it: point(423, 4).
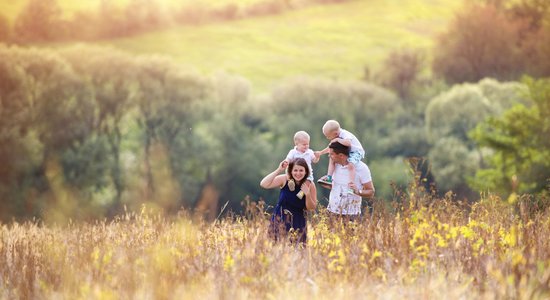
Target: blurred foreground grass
point(421, 249)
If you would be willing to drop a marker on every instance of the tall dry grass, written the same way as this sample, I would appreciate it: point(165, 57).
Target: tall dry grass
point(419, 248)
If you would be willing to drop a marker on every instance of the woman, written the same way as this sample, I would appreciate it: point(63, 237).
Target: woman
point(296, 196)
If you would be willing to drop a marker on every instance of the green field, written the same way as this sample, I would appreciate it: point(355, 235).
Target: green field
point(331, 41)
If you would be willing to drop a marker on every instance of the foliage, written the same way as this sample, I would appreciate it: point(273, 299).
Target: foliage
point(47, 109)
point(4, 28)
point(498, 39)
point(456, 112)
point(390, 176)
point(236, 149)
point(401, 71)
point(39, 21)
point(109, 77)
point(165, 99)
point(20, 150)
point(452, 163)
point(407, 141)
point(477, 45)
point(451, 115)
point(537, 51)
point(519, 140)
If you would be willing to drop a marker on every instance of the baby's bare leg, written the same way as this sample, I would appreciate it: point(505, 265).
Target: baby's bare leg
point(351, 169)
point(330, 167)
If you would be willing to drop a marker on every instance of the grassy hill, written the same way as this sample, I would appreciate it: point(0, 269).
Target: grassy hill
point(11, 8)
point(333, 41)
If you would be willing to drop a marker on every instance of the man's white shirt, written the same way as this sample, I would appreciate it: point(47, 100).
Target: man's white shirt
point(340, 201)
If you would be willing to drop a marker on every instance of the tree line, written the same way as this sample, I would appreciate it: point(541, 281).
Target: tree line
point(88, 131)
point(87, 137)
point(45, 20)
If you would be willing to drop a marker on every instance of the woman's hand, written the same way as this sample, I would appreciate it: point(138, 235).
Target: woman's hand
point(271, 180)
point(283, 165)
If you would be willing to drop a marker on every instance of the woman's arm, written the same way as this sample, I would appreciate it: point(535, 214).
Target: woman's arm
point(272, 180)
point(310, 191)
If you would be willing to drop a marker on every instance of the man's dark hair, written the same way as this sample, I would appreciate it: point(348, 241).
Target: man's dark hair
point(339, 148)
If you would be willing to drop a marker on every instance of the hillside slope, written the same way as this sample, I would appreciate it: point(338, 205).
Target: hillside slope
point(332, 40)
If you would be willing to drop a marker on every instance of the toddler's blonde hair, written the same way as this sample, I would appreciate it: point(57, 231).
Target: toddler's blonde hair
point(301, 136)
point(331, 126)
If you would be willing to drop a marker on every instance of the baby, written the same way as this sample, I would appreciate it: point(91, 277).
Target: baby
point(301, 150)
point(335, 133)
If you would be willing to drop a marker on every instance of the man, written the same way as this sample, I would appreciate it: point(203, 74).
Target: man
point(340, 201)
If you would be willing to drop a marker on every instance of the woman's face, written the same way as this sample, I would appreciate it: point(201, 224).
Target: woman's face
point(298, 172)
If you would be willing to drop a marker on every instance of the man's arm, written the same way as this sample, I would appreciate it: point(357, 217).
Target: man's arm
point(310, 191)
point(367, 191)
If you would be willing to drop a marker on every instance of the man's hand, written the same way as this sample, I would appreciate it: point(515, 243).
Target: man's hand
point(306, 188)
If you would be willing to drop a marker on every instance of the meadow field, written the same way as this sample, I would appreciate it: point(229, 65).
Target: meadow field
point(328, 41)
point(335, 40)
point(420, 248)
point(159, 136)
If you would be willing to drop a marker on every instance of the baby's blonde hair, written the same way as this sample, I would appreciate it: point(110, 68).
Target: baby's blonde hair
point(301, 136)
point(331, 126)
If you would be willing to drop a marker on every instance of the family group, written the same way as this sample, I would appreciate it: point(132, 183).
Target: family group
point(348, 178)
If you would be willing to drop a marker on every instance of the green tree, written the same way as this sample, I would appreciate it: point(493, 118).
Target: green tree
point(110, 78)
point(452, 162)
point(520, 158)
point(235, 153)
point(48, 105)
point(456, 112)
point(401, 71)
point(166, 97)
point(18, 154)
point(459, 110)
point(452, 115)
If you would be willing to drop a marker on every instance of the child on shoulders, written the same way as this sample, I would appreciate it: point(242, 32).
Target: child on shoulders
point(334, 133)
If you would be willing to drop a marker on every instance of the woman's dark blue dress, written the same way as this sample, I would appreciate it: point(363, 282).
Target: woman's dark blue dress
point(289, 214)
